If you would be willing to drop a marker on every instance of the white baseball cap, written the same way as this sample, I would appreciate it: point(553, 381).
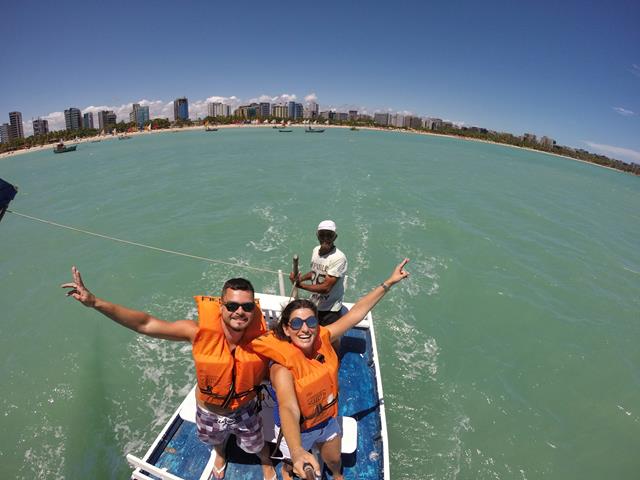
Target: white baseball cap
point(327, 225)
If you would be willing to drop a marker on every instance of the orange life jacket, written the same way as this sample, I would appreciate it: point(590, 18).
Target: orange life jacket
point(315, 379)
point(225, 378)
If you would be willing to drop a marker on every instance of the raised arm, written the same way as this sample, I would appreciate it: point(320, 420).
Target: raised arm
point(282, 382)
point(140, 322)
point(366, 303)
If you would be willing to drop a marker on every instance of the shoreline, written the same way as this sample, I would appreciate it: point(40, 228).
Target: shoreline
point(51, 146)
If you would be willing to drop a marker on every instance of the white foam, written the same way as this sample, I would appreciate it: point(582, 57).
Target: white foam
point(275, 234)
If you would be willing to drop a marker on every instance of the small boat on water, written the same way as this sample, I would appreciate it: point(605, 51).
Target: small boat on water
point(285, 130)
point(62, 148)
point(96, 141)
point(314, 130)
point(210, 129)
point(177, 453)
point(124, 137)
point(354, 129)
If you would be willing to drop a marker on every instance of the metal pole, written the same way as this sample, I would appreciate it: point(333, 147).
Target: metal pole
point(281, 282)
point(296, 272)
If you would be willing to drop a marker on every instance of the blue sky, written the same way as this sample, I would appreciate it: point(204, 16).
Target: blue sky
point(568, 70)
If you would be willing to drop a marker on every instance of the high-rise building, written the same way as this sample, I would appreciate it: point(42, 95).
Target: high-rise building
point(353, 115)
point(218, 109)
point(87, 120)
point(139, 115)
point(432, 123)
point(40, 127)
point(280, 111)
point(396, 120)
point(547, 142)
point(381, 119)
point(4, 133)
point(106, 120)
point(73, 119)
point(247, 111)
point(299, 111)
point(16, 130)
point(311, 110)
point(181, 109)
point(291, 109)
point(265, 109)
point(414, 122)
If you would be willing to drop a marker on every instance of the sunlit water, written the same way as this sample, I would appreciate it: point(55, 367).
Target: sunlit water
point(511, 352)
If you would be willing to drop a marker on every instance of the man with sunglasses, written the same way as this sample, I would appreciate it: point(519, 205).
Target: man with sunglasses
point(326, 278)
point(228, 374)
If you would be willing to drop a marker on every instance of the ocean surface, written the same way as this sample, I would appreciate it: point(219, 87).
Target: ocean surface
point(512, 352)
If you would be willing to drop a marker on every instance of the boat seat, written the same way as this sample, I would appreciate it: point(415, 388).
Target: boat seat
point(349, 424)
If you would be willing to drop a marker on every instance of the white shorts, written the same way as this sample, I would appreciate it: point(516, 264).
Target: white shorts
point(315, 436)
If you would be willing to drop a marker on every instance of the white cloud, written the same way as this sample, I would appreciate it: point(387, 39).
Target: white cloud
point(624, 112)
point(635, 69)
point(56, 120)
point(312, 97)
point(612, 151)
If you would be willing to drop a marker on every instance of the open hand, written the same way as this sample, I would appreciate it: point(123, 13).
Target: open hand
point(78, 290)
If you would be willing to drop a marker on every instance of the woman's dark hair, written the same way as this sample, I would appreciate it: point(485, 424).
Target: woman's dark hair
point(286, 315)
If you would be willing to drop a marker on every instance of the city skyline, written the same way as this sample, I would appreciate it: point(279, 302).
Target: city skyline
point(566, 71)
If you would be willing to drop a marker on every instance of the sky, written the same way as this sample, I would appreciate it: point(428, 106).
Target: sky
point(569, 70)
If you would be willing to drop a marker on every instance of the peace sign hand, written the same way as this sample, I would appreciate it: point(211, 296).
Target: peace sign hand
point(78, 290)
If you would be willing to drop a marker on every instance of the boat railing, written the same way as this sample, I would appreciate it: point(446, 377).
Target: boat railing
point(141, 466)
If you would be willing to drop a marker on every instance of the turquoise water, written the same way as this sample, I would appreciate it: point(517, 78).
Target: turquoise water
point(511, 352)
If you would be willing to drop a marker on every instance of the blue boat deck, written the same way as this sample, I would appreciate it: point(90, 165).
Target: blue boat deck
point(181, 453)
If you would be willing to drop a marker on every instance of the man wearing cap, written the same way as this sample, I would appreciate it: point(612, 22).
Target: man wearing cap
point(326, 278)
point(225, 326)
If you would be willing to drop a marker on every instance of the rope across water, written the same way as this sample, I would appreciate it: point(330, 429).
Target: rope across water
point(142, 245)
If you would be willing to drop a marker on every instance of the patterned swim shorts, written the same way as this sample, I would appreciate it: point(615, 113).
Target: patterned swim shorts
point(245, 423)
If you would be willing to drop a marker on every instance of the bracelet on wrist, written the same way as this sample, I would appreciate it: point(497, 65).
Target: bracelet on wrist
point(385, 287)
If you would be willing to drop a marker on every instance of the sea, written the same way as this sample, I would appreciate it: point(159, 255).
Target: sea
point(511, 352)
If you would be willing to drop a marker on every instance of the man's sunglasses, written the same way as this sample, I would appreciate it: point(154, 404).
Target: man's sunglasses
point(296, 323)
point(233, 306)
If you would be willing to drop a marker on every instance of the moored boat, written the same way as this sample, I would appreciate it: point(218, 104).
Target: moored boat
point(210, 129)
point(285, 130)
point(314, 130)
point(177, 453)
point(62, 148)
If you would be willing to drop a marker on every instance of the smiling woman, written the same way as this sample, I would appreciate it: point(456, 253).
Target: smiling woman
point(304, 375)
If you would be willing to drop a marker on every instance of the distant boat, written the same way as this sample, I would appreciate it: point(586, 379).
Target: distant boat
point(354, 129)
point(123, 137)
point(285, 130)
point(210, 129)
point(62, 148)
point(314, 130)
point(96, 141)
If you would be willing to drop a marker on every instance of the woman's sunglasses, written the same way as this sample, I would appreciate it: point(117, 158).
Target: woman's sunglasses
point(233, 306)
point(296, 323)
